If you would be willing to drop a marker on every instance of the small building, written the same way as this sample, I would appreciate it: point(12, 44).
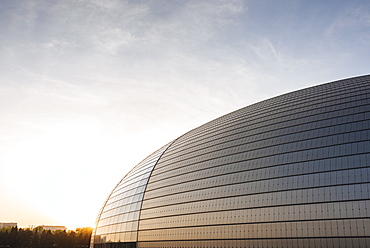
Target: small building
point(8, 224)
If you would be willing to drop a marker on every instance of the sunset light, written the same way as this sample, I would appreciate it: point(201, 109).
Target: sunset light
point(90, 88)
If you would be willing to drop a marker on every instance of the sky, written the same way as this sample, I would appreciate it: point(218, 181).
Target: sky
point(89, 88)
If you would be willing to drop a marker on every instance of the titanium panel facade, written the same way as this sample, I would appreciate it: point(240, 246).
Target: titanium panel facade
point(291, 171)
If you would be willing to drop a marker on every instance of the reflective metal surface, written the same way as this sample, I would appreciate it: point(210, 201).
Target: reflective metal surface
point(291, 171)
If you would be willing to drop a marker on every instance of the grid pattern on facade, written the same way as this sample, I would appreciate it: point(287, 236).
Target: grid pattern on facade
point(291, 171)
point(294, 167)
point(117, 223)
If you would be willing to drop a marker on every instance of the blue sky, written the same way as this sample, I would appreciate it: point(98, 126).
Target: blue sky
point(90, 88)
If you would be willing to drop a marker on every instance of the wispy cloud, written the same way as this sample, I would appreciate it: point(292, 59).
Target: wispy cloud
point(357, 19)
point(129, 70)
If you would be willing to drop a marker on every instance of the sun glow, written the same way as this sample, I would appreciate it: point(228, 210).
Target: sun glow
point(53, 167)
point(66, 168)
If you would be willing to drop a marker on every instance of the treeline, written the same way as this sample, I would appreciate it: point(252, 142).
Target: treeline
point(39, 238)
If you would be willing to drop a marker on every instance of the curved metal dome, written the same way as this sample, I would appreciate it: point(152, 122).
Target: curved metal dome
point(291, 171)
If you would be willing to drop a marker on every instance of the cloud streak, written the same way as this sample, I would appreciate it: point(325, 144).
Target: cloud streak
point(137, 74)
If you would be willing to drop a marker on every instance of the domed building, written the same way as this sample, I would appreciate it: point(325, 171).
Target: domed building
point(290, 171)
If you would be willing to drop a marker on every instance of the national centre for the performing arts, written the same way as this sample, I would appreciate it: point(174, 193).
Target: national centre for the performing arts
point(290, 171)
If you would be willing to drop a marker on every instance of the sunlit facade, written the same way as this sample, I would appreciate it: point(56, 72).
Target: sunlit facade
point(291, 171)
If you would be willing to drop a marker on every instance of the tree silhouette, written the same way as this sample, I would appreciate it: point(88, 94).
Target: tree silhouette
point(61, 238)
point(40, 238)
point(13, 237)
